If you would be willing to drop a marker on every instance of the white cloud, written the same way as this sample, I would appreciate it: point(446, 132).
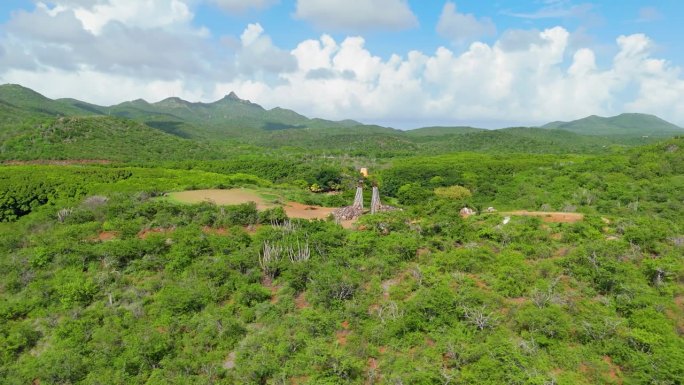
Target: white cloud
point(344, 15)
point(461, 27)
point(259, 54)
point(100, 88)
point(141, 14)
point(251, 34)
point(239, 6)
point(526, 76)
point(537, 82)
point(556, 9)
point(122, 42)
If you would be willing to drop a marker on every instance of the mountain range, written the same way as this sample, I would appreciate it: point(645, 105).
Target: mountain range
point(34, 126)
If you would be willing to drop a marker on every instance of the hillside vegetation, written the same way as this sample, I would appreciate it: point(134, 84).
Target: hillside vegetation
point(107, 280)
point(241, 122)
point(622, 125)
point(100, 137)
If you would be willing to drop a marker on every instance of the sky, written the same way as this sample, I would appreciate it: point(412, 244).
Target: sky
point(400, 63)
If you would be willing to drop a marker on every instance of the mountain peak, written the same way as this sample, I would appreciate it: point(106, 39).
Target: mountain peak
point(173, 102)
point(232, 99)
point(232, 96)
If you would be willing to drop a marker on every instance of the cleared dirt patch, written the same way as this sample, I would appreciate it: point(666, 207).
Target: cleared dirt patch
point(373, 371)
point(614, 372)
point(341, 337)
point(301, 302)
point(299, 380)
point(144, 234)
point(550, 217)
point(241, 195)
point(215, 231)
point(229, 363)
point(679, 301)
point(298, 210)
point(516, 300)
point(105, 236)
point(221, 197)
point(478, 281)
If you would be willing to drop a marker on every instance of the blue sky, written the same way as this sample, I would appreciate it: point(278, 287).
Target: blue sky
point(603, 21)
point(395, 62)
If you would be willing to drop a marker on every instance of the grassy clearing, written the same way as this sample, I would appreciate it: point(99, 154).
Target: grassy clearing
point(263, 200)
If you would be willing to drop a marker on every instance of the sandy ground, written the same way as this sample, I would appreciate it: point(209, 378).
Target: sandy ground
point(551, 217)
point(299, 210)
point(238, 196)
point(221, 197)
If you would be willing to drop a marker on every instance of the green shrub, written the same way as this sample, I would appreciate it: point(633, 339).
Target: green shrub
point(453, 192)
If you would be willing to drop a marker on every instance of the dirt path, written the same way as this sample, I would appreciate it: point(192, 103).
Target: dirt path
point(299, 210)
point(550, 217)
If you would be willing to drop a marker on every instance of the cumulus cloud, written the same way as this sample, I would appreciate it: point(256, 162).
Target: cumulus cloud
point(63, 38)
point(534, 80)
point(240, 6)
point(141, 14)
point(259, 54)
point(344, 15)
point(115, 39)
point(461, 27)
point(97, 87)
point(525, 76)
point(519, 39)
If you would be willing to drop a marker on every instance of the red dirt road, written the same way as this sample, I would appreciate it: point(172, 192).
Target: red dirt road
point(550, 217)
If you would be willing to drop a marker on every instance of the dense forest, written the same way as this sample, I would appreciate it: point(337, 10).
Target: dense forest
point(106, 280)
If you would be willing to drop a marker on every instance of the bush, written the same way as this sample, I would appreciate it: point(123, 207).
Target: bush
point(413, 193)
point(273, 215)
point(77, 292)
point(241, 215)
point(453, 192)
point(253, 294)
point(330, 286)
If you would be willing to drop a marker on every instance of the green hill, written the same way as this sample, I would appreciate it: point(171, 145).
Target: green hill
point(99, 137)
point(24, 98)
point(23, 111)
point(229, 117)
point(632, 125)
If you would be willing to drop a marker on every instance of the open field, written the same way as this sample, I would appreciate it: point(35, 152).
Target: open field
point(221, 197)
point(242, 195)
